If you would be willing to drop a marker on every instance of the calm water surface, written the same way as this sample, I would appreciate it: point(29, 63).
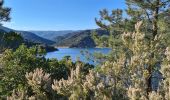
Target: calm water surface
point(77, 53)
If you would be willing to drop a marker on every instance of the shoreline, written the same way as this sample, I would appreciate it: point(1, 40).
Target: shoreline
point(102, 47)
point(61, 47)
point(80, 47)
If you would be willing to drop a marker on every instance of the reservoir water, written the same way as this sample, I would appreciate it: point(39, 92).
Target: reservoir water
point(77, 53)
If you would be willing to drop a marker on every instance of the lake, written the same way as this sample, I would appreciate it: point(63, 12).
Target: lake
point(77, 53)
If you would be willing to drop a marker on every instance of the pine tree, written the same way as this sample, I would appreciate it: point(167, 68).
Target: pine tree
point(4, 12)
point(150, 11)
point(4, 16)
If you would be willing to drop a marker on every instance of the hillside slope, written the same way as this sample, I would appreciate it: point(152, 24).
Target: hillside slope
point(80, 39)
point(31, 37)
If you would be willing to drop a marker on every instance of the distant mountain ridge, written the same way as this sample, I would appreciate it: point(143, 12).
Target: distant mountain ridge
point(50, 35)
point(29, 36)
point(68, 38)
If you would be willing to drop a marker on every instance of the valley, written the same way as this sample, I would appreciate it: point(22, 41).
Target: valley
point(67, 38)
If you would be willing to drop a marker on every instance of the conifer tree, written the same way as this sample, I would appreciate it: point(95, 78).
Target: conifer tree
point(4, 16)
point(4, 12)
point(150, 11)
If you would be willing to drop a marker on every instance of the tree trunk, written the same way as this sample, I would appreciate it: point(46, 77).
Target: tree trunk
point(155, 32)
point(155, 19)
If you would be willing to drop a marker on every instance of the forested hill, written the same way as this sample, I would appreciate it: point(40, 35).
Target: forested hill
point(12, 40)
point(81, 39)
point(30, 37)
point(34, 38)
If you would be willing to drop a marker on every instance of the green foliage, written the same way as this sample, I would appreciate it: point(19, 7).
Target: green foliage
point(78, 86)
point(125, 74)
point(5, 12)
point(15, 64)
point(142, 48)
point(13, 40)
point(10, 40)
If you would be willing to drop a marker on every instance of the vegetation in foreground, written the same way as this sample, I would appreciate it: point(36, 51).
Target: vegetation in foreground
point(138, 67)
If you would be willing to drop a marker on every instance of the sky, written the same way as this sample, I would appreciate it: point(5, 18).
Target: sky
point(57, 14)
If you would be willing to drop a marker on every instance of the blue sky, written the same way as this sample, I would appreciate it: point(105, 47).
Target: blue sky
point(57, 14)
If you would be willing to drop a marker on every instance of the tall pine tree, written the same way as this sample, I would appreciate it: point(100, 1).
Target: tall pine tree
point(151, 11)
